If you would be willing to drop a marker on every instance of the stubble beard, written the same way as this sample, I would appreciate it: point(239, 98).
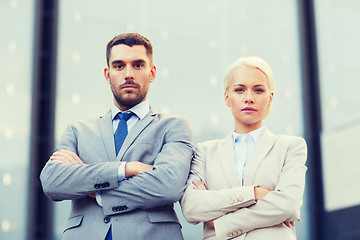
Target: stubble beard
point(130, 102)
point(127, 100)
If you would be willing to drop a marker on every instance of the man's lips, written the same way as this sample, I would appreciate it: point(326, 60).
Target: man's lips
point(248, 109)
point(128, 86)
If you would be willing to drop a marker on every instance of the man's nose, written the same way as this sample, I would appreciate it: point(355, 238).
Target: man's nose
point(129, 73)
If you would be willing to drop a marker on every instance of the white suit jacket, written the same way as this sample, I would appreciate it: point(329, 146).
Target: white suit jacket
point(137, 208)
point(277, 163)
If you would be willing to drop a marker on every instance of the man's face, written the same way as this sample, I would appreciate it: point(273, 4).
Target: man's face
point(129, 75)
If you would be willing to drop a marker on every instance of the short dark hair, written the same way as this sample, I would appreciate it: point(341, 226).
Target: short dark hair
point(129, 39)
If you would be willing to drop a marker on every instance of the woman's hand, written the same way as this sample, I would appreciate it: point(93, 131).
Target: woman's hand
point(291, 224)
point(199, 185)
point(209, 224)
point(260, 192)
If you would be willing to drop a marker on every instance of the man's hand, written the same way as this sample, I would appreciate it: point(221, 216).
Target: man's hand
point(66, 156)
point(134, 168)
point(260, 192)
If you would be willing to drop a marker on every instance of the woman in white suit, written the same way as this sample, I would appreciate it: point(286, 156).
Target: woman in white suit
point(249, 185)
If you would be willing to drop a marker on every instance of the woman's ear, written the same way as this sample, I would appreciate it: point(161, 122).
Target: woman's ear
point(271, 98)
point(226, 99)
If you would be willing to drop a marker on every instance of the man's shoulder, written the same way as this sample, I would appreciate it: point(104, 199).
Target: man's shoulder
point(168, 118)
point(91, 121)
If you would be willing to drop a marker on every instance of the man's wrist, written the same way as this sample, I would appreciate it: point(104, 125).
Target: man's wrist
point(121, 171)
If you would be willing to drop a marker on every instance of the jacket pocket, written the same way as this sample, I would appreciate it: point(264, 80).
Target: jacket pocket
point(73, 222)
point(168, 215)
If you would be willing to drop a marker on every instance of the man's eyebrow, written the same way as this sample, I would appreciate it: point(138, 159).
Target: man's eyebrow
point(139, 61)
point(136, 61)
point(117, 62)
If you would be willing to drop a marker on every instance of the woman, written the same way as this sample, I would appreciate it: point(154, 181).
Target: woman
point(250, 184)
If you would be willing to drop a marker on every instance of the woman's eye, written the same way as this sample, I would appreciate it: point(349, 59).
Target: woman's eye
point(259, 90)
point(239, 90)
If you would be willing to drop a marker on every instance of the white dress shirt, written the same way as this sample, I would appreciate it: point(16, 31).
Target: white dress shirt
point(244, 145)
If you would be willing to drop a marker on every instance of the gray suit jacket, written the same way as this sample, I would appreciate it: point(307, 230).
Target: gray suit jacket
point(137, 208)
point(277, 163)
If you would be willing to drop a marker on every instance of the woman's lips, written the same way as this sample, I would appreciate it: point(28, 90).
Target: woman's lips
point(248, 110)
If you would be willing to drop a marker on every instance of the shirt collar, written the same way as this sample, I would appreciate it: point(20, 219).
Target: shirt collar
point(140, 110)
point(254, 134)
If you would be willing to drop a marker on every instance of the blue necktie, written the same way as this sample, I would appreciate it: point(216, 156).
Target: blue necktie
point(109, 235)
point(119, 137)
point(122, 130)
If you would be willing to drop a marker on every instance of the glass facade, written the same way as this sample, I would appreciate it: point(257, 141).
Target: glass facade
point(338, 49)
point(16, 24)
point(194, 42)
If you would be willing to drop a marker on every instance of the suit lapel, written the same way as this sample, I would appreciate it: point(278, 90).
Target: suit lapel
point(107, 134)
point(262, 148)
point(226, 150)
point(134, 133)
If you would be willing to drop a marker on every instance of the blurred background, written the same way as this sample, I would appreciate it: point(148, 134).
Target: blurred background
point(52, 56)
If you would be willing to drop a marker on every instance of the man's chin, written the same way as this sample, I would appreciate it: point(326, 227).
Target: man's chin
point(129, 102)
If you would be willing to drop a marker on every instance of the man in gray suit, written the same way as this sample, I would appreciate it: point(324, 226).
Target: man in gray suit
point(124, 170)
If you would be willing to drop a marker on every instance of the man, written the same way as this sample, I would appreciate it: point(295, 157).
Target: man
point(129, 194)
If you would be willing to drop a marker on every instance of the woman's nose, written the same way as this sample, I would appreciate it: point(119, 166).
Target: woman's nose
point(249, 98)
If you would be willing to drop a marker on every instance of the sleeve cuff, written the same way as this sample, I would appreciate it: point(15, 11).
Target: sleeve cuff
point(121, 172)
point(98, 198)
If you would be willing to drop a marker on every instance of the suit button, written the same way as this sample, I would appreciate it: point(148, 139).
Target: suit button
point(236, 200)
point(230, 235)
point(234, 233)
point(231, 202)
point(96, 186)
point(106, 219)
point(239, 232)
point(106, 184)
point(241, 199)
point(115, 209)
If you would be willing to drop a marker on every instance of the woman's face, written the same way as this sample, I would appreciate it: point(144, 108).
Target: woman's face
point(249, 96)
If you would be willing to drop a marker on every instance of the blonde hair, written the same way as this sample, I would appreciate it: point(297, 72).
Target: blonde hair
point(255, 62)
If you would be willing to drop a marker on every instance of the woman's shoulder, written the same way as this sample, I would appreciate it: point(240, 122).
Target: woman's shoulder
point(289, 139)
point(214, 143)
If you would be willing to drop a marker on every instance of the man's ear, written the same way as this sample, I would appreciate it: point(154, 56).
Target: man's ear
point(152, 73)
point(107, 74)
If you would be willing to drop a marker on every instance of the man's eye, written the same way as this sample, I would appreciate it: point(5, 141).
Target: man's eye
point(119, 66)
point(138, 66)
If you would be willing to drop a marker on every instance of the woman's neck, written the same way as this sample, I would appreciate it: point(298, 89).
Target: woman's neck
point(246, 128)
